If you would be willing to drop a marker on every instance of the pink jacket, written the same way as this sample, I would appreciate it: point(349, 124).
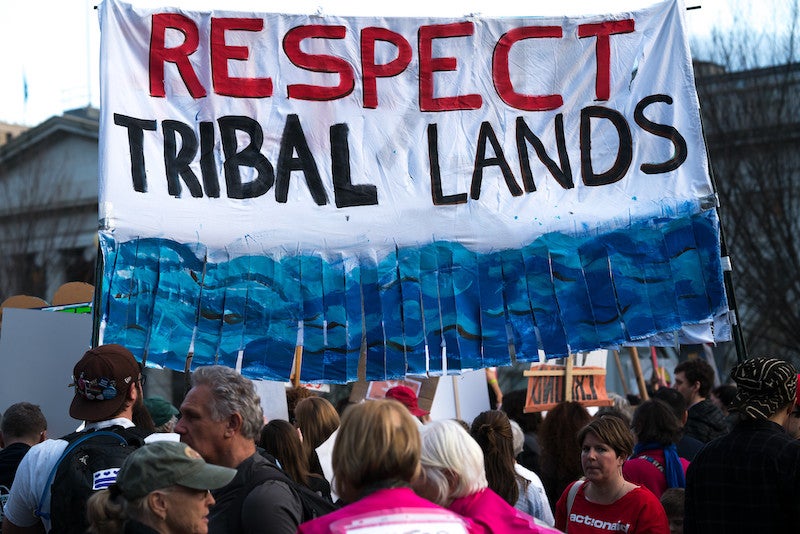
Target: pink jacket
point(398, 506)
point(491, 514)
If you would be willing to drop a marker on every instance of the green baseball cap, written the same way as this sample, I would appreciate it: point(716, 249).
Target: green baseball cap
point(160, 409)
point(162, 464)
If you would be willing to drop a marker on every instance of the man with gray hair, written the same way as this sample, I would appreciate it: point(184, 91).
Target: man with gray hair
point(221, 418)
point(749, 479)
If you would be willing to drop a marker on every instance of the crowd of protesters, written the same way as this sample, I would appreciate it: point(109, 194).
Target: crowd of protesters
point(692, 459)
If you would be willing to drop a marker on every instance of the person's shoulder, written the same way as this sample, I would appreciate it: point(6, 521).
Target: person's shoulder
point(643, 496)
point(526, 473)
point(15, 451)
point(764, 433)
point(392, 505)
point(789, 445)
point(637, 465)
point(260, 469)
point(30, 479)
point(689, 446)
point(705, 409)
point(578, 492)
point(269, 501)
point(46, 450)
point(272, 490)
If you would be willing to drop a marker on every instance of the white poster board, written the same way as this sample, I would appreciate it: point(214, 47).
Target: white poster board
point(38, 350)
point(273, 399)
point(462, 397)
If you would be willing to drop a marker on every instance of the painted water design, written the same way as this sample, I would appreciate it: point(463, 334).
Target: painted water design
point(560, 293)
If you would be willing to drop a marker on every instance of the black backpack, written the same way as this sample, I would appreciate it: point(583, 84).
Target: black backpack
point(3, 498)
point(89, 463)
point(314, 505)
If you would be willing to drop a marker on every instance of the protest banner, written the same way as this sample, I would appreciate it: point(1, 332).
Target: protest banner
point(430, 189)
point(583, 382)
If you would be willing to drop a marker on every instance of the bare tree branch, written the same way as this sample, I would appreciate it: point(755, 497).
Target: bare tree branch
point(40, 223)
point(751, 113)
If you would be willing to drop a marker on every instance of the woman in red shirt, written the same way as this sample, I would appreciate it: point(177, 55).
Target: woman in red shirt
point(655, 463)
point(604, 501)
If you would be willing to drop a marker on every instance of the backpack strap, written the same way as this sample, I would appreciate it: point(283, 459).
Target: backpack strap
point(4, 491)
point(312, 504)
point(573, 491)
point(258, 475)
point(652, 461)
point(71, 447)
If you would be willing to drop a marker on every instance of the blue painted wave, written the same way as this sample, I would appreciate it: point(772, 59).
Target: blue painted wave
point(560, 293)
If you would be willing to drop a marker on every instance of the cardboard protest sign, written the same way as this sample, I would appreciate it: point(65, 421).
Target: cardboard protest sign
point(428, 188)
point(454, 397)
point(424, 388)
point(548, 387)
point(583, 382)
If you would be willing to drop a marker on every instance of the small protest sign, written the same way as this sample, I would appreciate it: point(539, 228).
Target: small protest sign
point(551, 384)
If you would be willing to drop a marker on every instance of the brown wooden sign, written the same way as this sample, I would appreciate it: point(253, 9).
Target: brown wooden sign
point(550, 384)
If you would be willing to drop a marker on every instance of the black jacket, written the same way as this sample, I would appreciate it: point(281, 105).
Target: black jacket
point(747, 481)
point(705, 422)
point(134, 527)
point(269, 508)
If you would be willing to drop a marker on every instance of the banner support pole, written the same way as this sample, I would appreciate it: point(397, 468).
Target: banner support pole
point(727, 267)
point(297, 365)
point(637, 370)
point(622, 379)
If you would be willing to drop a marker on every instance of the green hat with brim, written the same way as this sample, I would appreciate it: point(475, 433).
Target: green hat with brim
point(160, 409)
point(162, 464)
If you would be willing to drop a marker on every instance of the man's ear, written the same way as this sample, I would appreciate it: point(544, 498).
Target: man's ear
point(158, 504)
point(134, 392)
point(234, 425)
point(2, 441)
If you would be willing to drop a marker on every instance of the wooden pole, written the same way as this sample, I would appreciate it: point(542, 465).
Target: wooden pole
point(621, 373)
point(727, 269)
point(456, 398)
point(568, 379)
point(637, 369)
point(298, 365)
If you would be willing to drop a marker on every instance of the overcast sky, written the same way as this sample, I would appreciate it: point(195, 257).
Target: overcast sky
point(53, 45)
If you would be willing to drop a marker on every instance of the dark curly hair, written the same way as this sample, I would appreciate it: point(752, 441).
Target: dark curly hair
point(697, 370)
point(560, 462)
point(654, 422)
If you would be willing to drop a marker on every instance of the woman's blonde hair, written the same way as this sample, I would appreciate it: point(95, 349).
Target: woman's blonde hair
point(317, 419)
point(448, 448)
point(378, 445)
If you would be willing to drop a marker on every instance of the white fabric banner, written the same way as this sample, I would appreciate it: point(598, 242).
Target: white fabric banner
point(341, 142)
point(470, 91)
